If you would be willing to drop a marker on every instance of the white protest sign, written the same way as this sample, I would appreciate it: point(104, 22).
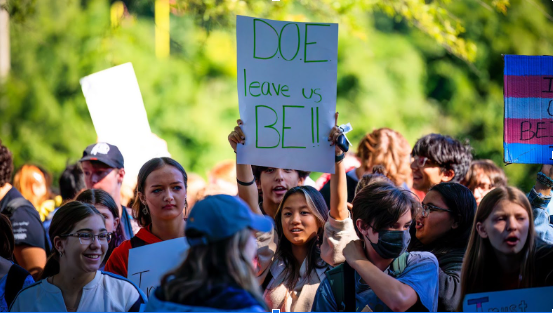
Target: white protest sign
point(119, 117)
point(287, 75)
point(517, 300)
point(148, 264)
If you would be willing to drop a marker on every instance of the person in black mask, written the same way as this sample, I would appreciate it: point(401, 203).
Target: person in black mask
point(443, 227)
point(384, 277)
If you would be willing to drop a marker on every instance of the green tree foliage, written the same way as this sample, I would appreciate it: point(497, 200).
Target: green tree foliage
point(412, 65)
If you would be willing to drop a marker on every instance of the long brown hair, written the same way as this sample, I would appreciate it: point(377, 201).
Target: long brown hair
point(317, 205)
point(65, 219)
point(480, 256)
point(223, 262)
point(145, 171)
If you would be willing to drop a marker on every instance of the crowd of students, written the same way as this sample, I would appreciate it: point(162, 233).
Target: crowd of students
point(402, 230)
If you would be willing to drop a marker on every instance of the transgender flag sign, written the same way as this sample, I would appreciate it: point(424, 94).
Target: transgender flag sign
point(528, 126)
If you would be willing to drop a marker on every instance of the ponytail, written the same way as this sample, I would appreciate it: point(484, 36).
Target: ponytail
point(52, 266)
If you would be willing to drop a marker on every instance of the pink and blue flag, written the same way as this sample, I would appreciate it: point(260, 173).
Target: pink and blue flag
point(528, 94)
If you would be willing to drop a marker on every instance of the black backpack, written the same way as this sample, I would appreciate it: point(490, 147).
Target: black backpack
point(16, 203)
point(14, 282)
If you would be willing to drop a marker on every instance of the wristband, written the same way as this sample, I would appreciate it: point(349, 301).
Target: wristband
point(339, 158)
point(244, 183)
point(542, 178)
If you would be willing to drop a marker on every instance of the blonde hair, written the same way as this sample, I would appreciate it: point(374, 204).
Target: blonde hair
point(480, 253)
point(388, 148)
point(222, 262)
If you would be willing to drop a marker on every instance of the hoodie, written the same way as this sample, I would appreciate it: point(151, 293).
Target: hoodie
point(220, 299)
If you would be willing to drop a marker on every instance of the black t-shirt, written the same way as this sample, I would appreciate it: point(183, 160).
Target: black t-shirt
point(26, 224)
point(351, 183)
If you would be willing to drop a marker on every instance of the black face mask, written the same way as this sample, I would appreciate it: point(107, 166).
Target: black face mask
point(391, 243)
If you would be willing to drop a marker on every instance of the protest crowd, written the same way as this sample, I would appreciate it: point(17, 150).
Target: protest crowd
point(394, 227)
point(400, 229)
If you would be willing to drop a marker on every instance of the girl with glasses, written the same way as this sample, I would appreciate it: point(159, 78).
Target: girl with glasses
point(105, 204)
point(71, 279)
point(443, 228)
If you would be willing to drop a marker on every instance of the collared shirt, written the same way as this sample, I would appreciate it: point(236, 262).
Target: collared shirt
point(105, 293)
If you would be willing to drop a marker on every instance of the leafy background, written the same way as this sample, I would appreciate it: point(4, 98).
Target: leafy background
point(412, 65)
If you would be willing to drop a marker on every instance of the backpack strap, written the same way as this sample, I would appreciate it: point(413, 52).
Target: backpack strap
point(14, 282)
point(399, 264)
point(14, 204)
point(137, 242)
point(342, 284)
point(266, 281)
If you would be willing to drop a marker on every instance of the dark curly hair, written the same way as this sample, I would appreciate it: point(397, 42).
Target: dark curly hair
point(449, 153)
point(6, 165)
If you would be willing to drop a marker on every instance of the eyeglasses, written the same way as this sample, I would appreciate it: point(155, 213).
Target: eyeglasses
point(419, 161)
point(427, 208)
point(88, 238)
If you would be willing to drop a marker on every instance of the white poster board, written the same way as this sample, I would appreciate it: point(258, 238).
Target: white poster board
point(517, 300)
point(287, 75)
point(148, 264)
point(119, 117)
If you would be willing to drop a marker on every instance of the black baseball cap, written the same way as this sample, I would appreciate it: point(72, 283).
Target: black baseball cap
point(105, 153)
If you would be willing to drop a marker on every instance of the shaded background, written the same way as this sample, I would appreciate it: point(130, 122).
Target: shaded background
point(412, 65)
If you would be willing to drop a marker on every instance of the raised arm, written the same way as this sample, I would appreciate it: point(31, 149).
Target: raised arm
point(539, 198)
point(338, 184)
point(247, 188)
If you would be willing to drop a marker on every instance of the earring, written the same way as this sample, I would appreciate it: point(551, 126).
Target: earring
point(61, 253)
point(145, 210)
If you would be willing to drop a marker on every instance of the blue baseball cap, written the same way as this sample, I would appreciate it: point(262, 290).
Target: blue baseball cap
point(221, 216)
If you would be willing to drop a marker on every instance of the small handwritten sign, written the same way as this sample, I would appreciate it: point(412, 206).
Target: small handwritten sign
point(528, 125)
point(517, 300)
point(148, 264)
point(287, 75)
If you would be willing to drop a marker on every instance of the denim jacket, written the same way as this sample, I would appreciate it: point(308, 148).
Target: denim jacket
point(540, 203)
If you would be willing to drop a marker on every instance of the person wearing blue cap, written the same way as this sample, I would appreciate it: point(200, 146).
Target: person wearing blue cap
point(218, 274)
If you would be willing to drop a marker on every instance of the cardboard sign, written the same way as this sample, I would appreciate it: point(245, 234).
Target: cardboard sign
point(287, 75)
point(119, 117)
point(528, 126)
point(518, 300)
point(148, 264)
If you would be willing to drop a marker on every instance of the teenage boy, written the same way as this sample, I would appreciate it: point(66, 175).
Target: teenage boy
point(103, 168)
point(437, 158)
point(31, 247)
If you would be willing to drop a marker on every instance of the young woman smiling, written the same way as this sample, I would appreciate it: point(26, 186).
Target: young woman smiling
point(292, 273)
point(443, 228)
point(161, 194)
point(105, 204)
point(71, 279)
